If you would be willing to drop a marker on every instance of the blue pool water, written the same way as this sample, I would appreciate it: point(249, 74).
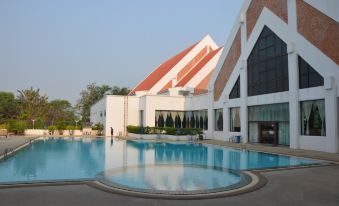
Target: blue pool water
point(50, 159)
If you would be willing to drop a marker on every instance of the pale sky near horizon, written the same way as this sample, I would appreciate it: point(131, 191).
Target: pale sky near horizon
point(60, 46)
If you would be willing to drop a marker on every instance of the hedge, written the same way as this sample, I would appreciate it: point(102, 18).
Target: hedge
point(163, 130)
point(17, 127)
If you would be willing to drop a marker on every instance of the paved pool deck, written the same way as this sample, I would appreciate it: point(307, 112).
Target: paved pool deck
point(309, 186)
point(304, 186)
point(13, 142)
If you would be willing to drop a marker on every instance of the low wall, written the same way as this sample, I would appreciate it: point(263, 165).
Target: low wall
point(36, 132)
point(44, 132)
point(163, 136)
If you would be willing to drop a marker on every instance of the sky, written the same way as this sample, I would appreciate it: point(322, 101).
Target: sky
point(60, 46)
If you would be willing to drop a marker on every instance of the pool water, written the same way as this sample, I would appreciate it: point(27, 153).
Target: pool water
point(171, 178)
point(53, 159)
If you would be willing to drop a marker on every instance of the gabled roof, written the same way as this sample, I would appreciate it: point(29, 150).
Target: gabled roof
point(197, 68)
point(161, 70)
point(201, 88)
point(180, 68)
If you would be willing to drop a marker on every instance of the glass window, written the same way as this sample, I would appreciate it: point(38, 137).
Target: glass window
point(235, 93)
point(235, 119)
point(277, 114)
point(182, 119)
point(313, 120)
point(218, 120)
point(308, 77)
point(267, 65)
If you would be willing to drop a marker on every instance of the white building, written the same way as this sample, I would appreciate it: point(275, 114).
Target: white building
point(274, 81)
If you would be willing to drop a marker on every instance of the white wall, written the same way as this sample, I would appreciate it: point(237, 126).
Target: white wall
point(98, 112)
point(114, 115)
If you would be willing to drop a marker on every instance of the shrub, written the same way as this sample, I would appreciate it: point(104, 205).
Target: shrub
point(98, 126)
point(17, 127)
point(52, 128)
point(70, 127)
point(134, 129)
point(3, 126)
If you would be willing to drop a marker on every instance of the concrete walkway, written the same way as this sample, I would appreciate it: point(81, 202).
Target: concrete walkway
point(308, 186)
point(281, 150)
point(13, 142)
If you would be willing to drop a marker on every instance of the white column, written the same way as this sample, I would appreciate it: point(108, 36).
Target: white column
point(331, 115)
point(226, 117)
point(243, 105)
point(243, 81)
point(294, 108)
point(210, 133)
point(293, 76)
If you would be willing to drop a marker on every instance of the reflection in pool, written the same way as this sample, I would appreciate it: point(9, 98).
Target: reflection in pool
point(83, 158)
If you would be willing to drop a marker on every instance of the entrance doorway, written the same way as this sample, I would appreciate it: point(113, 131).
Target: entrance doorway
point(268, 133)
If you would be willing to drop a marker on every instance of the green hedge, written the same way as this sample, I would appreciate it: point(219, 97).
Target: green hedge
point(163, 130)
point(17, 127)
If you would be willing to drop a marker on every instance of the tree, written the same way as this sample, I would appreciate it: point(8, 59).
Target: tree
point(94, 93)
point(120, 90)
point(31, 104)
point(8, 106)
point(60, 111)
point(88, 97)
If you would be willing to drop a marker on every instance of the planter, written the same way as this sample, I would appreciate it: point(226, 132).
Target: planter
point(163, 136)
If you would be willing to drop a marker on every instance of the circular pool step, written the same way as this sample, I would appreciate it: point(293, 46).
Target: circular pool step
point(174, 179)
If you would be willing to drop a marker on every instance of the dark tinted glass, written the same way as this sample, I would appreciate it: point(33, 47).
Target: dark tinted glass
point(267, 65)
point(235, 93)
point(308, 77)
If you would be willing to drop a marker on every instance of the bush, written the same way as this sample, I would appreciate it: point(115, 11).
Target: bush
point(98, 126)
point(134, 129)
point(70, 127)
point(17, 127)
point(52, 128)
point(3, 126)
point(163, 130)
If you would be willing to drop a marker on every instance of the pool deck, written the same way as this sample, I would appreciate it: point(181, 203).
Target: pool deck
point(303, 186)
point(13, 142)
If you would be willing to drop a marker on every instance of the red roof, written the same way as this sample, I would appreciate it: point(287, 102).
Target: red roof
point(192, 63)
point(197, 68)
point(160, 71)
point(166, 87)
point(201, 88)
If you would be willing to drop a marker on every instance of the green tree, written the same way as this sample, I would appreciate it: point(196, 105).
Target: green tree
point(60, 110)
point(120, 90)
point(32, 105)
point(8, 106)
point(88, 97)
point(94, 93)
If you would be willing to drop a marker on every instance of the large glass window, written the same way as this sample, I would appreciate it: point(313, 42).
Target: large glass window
point(235, 119)
point(182, 119)
point(235, 93)
point(259, 117)
point(267, 65)
point(313, 118)
point(308, 77)
point(218, 120)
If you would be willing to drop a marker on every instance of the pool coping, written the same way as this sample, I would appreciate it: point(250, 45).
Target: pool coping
point(245, 179)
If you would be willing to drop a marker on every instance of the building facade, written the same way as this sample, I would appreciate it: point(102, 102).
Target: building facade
point(274, 82)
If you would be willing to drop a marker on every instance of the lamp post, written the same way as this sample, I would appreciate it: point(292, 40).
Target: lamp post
point(76, 124)
point(33, 120)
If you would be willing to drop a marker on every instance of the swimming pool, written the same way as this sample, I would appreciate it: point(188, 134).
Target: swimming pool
point(145, 165)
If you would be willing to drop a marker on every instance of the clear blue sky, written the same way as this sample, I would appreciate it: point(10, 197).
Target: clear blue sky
point(60, 46)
